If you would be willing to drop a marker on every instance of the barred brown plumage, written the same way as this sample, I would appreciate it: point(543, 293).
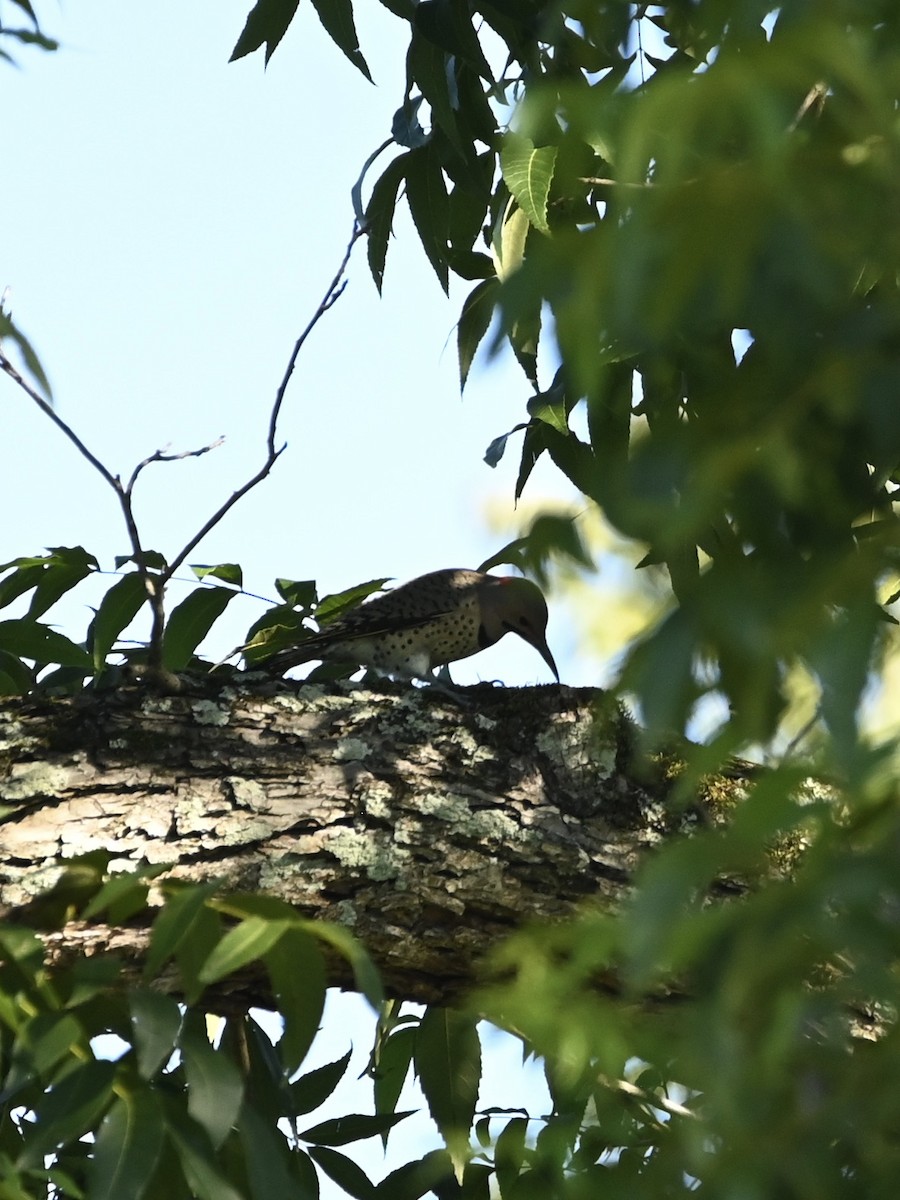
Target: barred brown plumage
point(435, 619)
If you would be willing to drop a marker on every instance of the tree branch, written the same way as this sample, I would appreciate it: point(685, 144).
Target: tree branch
point(332, 294)
point(155, 582)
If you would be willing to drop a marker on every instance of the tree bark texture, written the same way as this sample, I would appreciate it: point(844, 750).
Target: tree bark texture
point(428, 827)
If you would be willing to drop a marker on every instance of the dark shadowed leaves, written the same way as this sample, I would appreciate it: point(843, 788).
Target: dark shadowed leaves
point(266, 25)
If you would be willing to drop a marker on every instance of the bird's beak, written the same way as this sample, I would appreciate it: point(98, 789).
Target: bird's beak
point(544, 651)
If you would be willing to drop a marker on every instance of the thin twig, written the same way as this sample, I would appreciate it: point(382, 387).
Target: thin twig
point(332, 294)
point(163, 456)
point(154, 592)
point(57, 420)
point(155, 582)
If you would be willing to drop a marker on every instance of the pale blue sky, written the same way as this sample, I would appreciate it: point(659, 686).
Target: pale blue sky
point(170, 223)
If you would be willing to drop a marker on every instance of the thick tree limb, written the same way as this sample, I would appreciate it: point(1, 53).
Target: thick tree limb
point(428, 828)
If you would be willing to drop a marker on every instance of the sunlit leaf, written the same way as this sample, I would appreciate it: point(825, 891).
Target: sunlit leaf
point(190, 622)
point(528, 173)
point(246, 943)
point(116, 611)
point(331, 607)
point(227, 572)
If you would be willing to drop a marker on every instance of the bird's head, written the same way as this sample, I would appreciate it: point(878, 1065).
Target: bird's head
point(513, 605)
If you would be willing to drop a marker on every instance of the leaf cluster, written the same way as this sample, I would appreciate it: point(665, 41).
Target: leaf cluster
point(691, 206)
point(170, 1109)
point(29, 34)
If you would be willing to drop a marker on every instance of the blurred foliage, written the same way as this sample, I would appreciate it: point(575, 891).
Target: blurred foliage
point(111, 1087)
point(25, 31)
point(681, 219)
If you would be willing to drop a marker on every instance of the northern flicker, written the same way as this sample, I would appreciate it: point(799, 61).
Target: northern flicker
point(432, 620)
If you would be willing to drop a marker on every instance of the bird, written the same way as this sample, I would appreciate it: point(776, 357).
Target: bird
point(426, 623)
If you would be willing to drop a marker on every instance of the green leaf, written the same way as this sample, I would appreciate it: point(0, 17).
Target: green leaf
point(528, 173)
point(215, 1089)
point(116, 611)
point(314, 1088)
point(122, 896)
point(365, 973)
point(278, 627)
point(267, 1089)
point(448, 25)
point(30, 639)
point(190, 622)
point(7, 328)
point(201, 1171)
point(509, 1155)
point(151, 559)
point(267, 24)
point(227, 572)
point(551, 410)
point(15, 678)
point(426, 193)
point(272, 1168)
point(28, 574)
point(68, 1111)
point(508, 242)
point(127, 1148)
point(246, 943)
point(155, 1021)
point(65, 567)
point(331, 607)
point(474, 320)
point(355, 1127)
point(299, 593)
point(429, 67)
point(176, 924)
point(379, 216)
point(406, 128)
point(309, 1179)
point(297, 971)
point(448, 1063)
point(39, 1046)
point(431, 1173)
point(392, 1068)
point(337, 20)
point(344, 1172)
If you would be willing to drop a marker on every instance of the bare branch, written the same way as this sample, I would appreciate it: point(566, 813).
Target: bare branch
point(155, 583)
point(332, 294)
point(48, 410)
point(162, 456)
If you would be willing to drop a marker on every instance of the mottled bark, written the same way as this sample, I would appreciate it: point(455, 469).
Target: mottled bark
point(426, 826)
